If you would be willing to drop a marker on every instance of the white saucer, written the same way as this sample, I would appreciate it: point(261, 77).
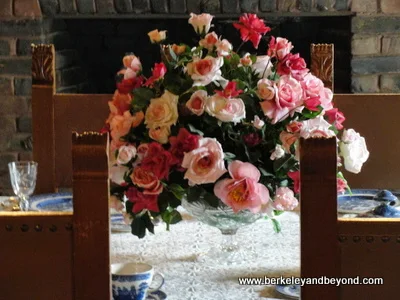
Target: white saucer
point(289, 291)
point(157, 295)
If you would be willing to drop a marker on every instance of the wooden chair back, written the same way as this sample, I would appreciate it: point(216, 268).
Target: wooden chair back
point(62, 255)
point(368, 247)
point(55, 116)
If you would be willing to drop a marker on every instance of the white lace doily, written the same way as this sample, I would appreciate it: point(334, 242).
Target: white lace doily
point(175, 253)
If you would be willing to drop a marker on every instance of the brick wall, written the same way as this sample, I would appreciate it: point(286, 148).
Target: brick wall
point(375, 63)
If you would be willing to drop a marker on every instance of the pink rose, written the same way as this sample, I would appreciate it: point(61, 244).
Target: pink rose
point(197, 101)
point(117, 174)
point(341, 185)
point(132, 65)
point(226, 110)
point(312, 86)
point(335, 117)
point(246, 60)
point(141, 152)
point(293, 65)
point(279, 48)
point(242, 191)
point(263, 66)
point(295, 176)
point(288, 92)
point(285, 199)
point(317, 127)
point(265, 89)
point(224, 48)
point(125, 154)
point(206, 70)
point(209, 41)
point(258, 123)
point(326, 99)
point(273, 111)
point(204, 164)
point(201, 23)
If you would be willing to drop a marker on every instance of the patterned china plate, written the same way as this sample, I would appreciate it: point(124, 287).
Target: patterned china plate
point(157, 295)
point(63, 202)
point(360, 201)
point(289, 291)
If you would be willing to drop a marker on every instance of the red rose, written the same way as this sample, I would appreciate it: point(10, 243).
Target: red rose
point(251, 28)
point(142, 201)
point(293, 65)
point(128, 85)
point(157, 160)
point(183, 142)
point(295, 176)
point(252, 139)
point(230, 90)
point(312, 103)
point(159, 71)
point(335, 117)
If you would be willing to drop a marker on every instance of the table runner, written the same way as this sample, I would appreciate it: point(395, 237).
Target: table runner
point(174, 254)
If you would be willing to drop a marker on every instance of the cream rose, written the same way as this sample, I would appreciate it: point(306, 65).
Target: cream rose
point(262, 66)
point(277, 153)
point(317, 127)
point(245, 61)
point(160, 134)
point(201, 23)
point(265, 89)
point(157, 36)
point(197, 102)
point(226, 110)
point(204, 164)
point(207, 70)
point(117, 174)
point(162, 112)
point(125, 154)
point(224, 48)
point(354, 150)
point(209, 41)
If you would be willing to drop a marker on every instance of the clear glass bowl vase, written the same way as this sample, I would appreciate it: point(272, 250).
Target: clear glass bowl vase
point(228, 222)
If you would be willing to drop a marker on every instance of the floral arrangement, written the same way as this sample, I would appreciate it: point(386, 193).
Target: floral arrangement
point(218, 124)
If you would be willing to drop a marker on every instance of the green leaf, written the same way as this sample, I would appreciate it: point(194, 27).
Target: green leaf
point(139, 225)
point(171, 217)
point(176, 84)
point(142, 97)
point(194, 193)
point(194, 130)
point(211, 199)
point(265, 172)
point(172, 53)
point(278, 212)
point(277, 225)
point(177, 190)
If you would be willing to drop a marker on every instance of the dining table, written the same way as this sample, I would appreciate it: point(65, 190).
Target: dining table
point(180, 254)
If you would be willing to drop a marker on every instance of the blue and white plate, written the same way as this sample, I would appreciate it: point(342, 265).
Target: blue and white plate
point(157, 295)
point(360, 201)
point(289, 291)
point(63, 202)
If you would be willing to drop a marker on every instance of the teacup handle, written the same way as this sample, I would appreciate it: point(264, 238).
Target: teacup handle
point(159, 285)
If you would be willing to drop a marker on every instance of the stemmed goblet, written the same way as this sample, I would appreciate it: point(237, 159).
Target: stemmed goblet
point(23, 181)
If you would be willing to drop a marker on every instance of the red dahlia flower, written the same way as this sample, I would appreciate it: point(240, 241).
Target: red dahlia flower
point(251, 28)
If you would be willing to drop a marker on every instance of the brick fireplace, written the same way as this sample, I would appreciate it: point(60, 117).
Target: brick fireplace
point(91, 36)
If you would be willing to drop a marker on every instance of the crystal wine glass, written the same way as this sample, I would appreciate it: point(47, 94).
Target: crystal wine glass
point(23, 181)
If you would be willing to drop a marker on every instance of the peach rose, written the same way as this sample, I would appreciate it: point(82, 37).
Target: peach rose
point(137, 119)
point(204, 164)
point(162, 112)
point(120, 103)
point(146, 180)
point(201, 23)
point(242, 191)
point(197, 101)
point(209, 41)
point(178, 50)
point(265, 89)
point(115, 203)
point(287, 139)
point(246, 60)
point(224, 48)
point(204, 71)
point(125, 154)
point(157, 36)
point(226, 110)
point(132, 65)
point(121, 124)
point(160, 134)
point(285, 199)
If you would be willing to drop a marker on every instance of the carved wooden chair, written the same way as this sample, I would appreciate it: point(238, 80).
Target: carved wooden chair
point(62, 255)
point(55, 116)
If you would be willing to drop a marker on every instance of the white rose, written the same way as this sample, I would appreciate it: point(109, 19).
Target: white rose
point(245, 61)
point(278, 152)
point(125, 154)
point(258, 123)
point(317, 127)
point(263, 66)
point(201, 23)
point(226, 110)
point(197, 102)
point(162, 112)
point(157, 36)
point(117, 174)
point(224, 48)
point(207, 70)
point(354, 151)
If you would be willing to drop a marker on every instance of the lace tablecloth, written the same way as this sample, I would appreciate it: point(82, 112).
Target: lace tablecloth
point(175, 254)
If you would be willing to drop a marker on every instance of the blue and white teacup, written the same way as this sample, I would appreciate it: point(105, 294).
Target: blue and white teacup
point(131, 281)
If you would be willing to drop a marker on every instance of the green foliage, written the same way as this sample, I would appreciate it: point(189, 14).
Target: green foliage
point(142, 97)
point(276, 225)
point(177, 83)
point(140, 223)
